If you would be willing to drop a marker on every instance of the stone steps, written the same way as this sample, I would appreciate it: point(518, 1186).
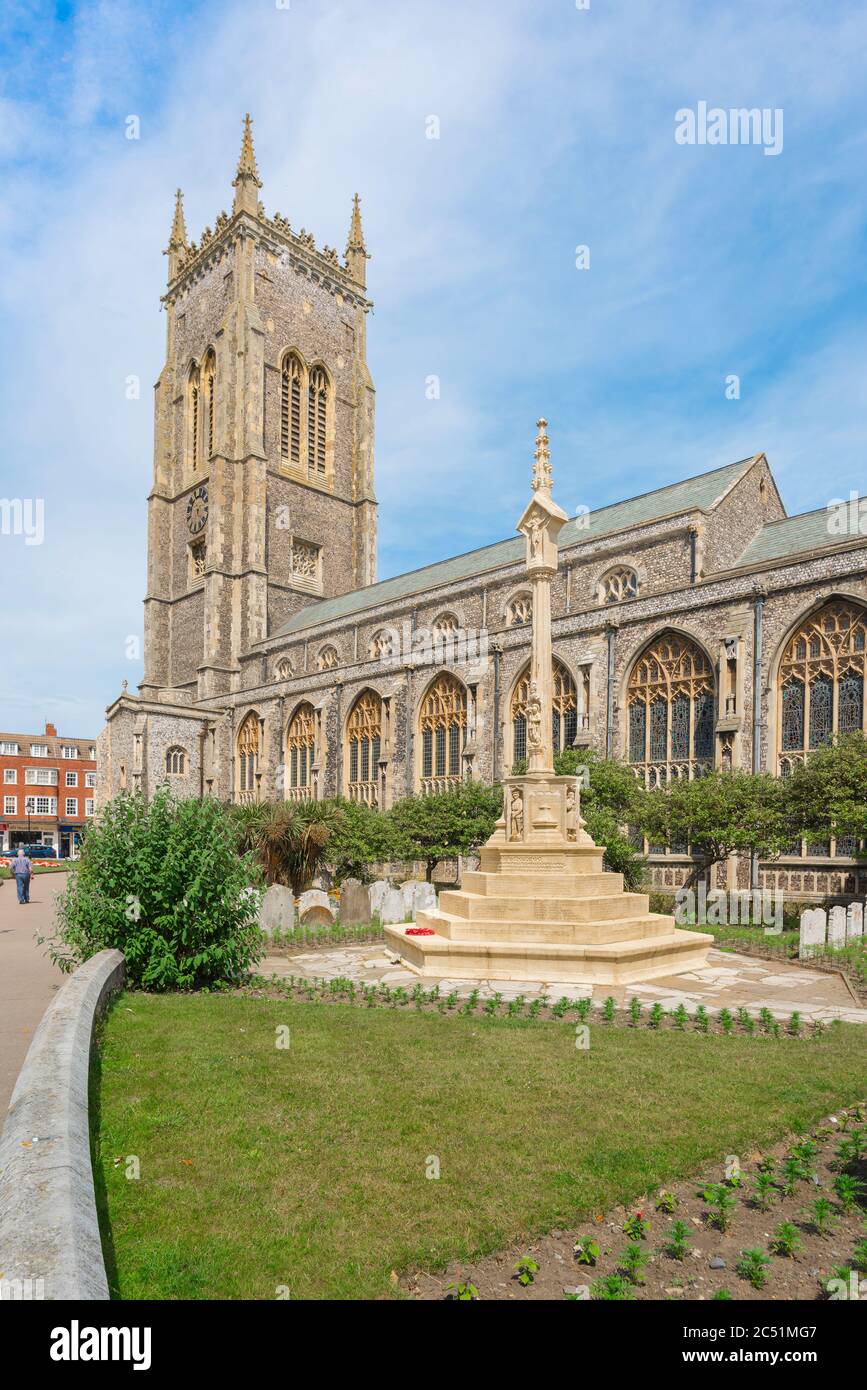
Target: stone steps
point(617, 962)
point(566, 885)
point(638, 927)
point(500, 908)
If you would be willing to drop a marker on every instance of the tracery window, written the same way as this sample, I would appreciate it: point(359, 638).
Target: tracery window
point(248, 759)
point(446, 625)
point(301, 753)
point(670, 711)
point(283, 670)
point(317, 412)
point(364, 744)
point(176, 762)
point(821, 694)
point(381, 644)
point(442, 731)
point(564, 711)
point(619, 584)
point(519, 611)
point(327, 659)
point(194, 384)
point(821, 681)
point(290, 409)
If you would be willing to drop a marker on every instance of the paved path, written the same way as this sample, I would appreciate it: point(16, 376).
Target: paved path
point(728, 981)
point(28, 980)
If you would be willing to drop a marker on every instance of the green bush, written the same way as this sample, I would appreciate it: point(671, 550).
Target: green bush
point(162, 882)
point(445, 824)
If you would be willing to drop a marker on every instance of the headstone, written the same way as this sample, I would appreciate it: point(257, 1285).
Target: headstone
point(837, 926)
point(377, 892)
point(314, 908)
point(854, 921)
point(354, 902)
point(812, 932)
point(417, 895)
point(277, 909)
point(392, 908)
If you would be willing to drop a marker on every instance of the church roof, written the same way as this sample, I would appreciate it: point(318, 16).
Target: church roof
point(792, 535)
point(692, 494)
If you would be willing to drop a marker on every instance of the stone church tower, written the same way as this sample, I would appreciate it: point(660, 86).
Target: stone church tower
point(262, 496)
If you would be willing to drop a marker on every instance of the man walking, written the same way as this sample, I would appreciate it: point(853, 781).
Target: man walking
point(22, 868)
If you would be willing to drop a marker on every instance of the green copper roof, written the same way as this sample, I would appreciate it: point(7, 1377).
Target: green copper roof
point(791, 536)
point(692, 494)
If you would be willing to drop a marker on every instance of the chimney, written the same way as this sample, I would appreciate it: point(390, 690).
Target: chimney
point(50, 730)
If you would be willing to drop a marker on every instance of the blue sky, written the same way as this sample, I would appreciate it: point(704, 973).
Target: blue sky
point(556, 130)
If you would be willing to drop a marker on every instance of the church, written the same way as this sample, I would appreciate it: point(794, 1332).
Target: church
point(696, 626)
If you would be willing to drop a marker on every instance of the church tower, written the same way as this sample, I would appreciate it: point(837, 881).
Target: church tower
point(262, 497)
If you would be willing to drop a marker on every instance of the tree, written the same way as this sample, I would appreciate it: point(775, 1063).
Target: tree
point(444, 824)
point(719, 814)
point(362, 837)
point(289, 838)
point(163, 882)
point(610, 802)
point(827, 794)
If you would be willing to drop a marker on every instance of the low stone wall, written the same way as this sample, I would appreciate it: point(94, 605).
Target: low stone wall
point(50, 1244)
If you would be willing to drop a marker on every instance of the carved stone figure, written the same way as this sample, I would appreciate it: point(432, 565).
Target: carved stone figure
point(571, 813)
point(534, 720)
point(516, 812)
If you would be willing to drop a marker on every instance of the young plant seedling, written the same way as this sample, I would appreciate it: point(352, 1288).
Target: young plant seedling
point(526, 1269)
point(752, 1265)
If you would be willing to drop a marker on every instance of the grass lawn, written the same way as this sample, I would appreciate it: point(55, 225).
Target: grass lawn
point(305, 1167)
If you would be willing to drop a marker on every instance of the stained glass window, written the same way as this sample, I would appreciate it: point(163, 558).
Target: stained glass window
point(658, 731)
point(637, 728)
point(850, 697)
point(821, 707)
point(443, 721)
point(564, 711)
point(299, 744)
point(680, 726)
point(793, 715)
point(704, 721)
point(363, 732)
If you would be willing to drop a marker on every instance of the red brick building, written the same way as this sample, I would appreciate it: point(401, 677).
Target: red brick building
point(48, 790)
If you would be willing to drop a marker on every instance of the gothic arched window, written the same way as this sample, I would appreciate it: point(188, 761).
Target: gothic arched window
point(176, 762)
point(364, 744)
point(327, 659)
point(317, 417)
point(564, 711)
point(442, 732)
point(283, 670)
point(209, 374)
point(519, 611)
point(194, 406)
point(671, 704)
point(821, 681)
point(301, 754)
point(619, 584)
point(248, 759)
point(382, 644)
point(290, 409)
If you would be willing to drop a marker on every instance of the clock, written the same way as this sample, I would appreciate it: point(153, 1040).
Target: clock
point(197, 510)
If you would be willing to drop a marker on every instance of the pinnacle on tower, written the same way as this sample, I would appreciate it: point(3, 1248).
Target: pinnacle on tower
point(542, 456)
point(246, 182)
point(356, 251)
point(178, 240)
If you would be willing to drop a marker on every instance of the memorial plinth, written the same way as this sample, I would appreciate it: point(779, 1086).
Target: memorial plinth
point(540, 906)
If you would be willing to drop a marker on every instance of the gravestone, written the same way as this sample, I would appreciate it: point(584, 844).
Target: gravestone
point(417, 894)
point(354, 902)
point(837, 926)
point(277, 909)
point(854, 921)
point(812, 932)
point(377, 892)
point(392, 908)
point(315, 909)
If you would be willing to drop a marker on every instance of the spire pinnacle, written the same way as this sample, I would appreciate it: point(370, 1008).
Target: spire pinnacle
point(542, 467)
point(356, 251)
point(178, 240)
point(246, 181)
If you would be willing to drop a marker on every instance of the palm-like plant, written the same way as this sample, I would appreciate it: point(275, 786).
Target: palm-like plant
point(288, 838)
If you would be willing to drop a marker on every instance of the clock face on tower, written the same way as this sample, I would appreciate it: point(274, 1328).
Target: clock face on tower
point(197, 510)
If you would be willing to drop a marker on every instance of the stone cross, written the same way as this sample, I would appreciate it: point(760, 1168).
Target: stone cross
point(541, 523)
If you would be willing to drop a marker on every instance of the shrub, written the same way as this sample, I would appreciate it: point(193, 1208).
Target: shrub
point(445, 824)
point(162, 882)
point(289, 838)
